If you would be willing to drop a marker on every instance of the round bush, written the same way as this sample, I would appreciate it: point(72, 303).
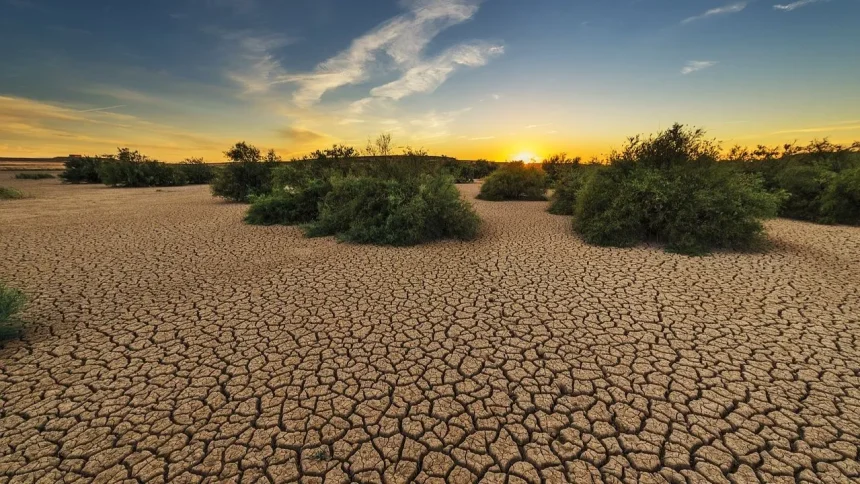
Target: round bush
point(692, 210)
point(515, 181)
point(395, 212)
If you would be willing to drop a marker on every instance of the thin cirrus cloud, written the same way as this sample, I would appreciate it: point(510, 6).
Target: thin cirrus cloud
point(430, 74)
point(724, 10)
point(696, 66)
point(794, 5)
point(402, 39)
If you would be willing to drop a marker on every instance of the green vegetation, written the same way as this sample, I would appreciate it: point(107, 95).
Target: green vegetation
point(246, 176)
point(11, 303)
point(558, 166)
point(194, 171)
point(515, 181)
point(840, 204)
point(395, 212)
point(7, 193)
point(815, 179)
point(290, 206)
point(132, 169)
point(670, 189)
point(82, 170)
point(568, 186)
point(382, 199)
point(33, 176)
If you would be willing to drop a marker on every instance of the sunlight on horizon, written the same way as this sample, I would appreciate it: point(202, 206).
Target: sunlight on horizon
point(526, 157)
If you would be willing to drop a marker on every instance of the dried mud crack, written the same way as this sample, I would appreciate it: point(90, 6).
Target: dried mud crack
point(171, 342)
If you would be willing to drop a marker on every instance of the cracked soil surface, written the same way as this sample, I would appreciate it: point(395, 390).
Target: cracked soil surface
point(170, 342)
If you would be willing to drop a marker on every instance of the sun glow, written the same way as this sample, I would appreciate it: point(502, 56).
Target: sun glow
point(526, 156)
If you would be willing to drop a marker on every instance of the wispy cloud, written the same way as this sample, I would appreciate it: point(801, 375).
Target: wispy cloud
point(696, 66)
point(396, 44)
point(533, 126)
point(482, 138)
point(844, 126)
point(724, 10)
point(403, 38)
point(257, 66)
point(800, 3)
point(429, 75)
point(106, 108)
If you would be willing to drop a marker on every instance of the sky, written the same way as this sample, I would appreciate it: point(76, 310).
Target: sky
point(495, 79)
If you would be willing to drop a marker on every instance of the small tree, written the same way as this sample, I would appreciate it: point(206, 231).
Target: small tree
point(380, 147)
point(247, 175)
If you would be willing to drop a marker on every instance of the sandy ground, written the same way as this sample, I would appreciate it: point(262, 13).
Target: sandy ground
point(169, 341)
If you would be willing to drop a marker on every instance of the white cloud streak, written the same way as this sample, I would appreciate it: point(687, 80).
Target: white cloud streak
point(397, 44)
point(788, 7)
point(403, 38)
point(429, 75)
point(724, 10)
point(695, 66)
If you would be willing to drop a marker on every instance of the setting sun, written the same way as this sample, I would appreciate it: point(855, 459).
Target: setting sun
point(526, 156)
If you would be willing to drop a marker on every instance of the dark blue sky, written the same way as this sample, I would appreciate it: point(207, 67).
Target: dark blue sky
point(489, 78)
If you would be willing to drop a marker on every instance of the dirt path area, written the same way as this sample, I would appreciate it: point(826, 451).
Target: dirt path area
point(171, 342)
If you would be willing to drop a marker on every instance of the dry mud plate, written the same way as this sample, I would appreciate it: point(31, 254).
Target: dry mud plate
point(171, 342)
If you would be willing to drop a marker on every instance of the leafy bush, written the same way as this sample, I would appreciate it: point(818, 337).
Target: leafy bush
point(33, 176)
point(558, 166)
point(194, 171)
point(132, 169)
point(841, 202)
point(246, 176)
point(82, 170)
point(805, 186)
point(11, 303)
point(394, 212)
point(805, 175)
point(7, 193)
point(515, 181)
point(669, 189)
point(291, 206)
point(567, 187)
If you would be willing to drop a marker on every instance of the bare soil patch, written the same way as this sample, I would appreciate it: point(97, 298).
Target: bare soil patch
point(170, 341)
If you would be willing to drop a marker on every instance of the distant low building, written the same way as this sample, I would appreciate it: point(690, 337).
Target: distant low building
point(76, 156)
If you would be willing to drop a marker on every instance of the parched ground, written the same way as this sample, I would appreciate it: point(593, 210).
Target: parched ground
point(171, 342)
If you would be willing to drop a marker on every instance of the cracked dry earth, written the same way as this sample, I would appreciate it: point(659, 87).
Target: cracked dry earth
point(171, 342)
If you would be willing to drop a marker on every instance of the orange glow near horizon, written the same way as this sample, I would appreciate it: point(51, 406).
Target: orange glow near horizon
point(526, 156)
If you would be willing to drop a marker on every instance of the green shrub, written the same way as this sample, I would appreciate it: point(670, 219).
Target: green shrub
point(670, 190)
point(291, 206)
point(82, 170)
point(558, 166)
point(11, 303)
point(34, 176)
point(515, 181)
point(246, 176)
point(394, 212)
point(567, 187)
point(132, 169)
point(194, 171)
point(805, 186)
point(840, 204)
point(7, 193)
point(805, 175)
